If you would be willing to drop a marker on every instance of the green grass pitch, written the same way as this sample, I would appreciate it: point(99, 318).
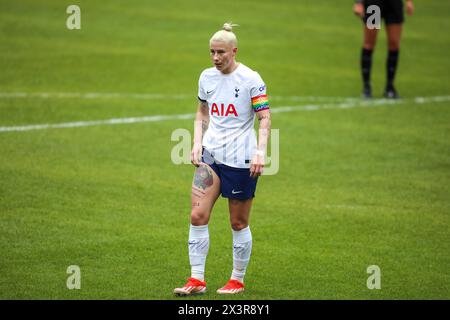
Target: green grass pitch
point(356, 187)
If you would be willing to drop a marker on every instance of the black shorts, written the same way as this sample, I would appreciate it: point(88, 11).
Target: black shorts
point(391, 10)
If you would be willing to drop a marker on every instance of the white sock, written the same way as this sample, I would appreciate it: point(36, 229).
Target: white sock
point(242, 249)
point(198, 250)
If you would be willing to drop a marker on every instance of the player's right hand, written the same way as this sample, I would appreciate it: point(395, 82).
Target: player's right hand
point(196, 154)
point(358, 9)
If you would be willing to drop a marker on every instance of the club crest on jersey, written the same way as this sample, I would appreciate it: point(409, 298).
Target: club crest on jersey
point(222, 111)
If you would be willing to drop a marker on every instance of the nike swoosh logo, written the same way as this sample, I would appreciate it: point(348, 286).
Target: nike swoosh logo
point(208, 92)
point(234, 192)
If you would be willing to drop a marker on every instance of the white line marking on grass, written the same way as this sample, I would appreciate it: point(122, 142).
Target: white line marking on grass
point(153, 96)
point(345, 105)
point(95, 95)
point(97, 122)
point(160, 96)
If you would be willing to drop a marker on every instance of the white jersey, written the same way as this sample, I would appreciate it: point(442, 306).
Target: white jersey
point(233, 100)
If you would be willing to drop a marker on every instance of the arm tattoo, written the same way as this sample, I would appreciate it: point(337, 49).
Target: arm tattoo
point(205, 106)
point(264, 117)
point(205, 112)
point(204, 126)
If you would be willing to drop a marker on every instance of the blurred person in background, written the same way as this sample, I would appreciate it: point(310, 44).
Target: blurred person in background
point(392, 13)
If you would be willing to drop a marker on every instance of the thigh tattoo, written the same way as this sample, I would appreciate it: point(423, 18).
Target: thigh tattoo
point(203, 179)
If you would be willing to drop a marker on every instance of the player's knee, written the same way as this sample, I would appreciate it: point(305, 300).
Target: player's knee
point(199, 217)
point(370, 42)
point(238, 224)
point(369, 45)
point(393, 45)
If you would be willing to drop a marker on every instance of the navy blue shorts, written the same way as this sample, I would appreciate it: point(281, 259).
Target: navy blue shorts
point(235, 183)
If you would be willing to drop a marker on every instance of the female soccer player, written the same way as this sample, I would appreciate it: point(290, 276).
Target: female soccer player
point(392, 12)
point(227, 157)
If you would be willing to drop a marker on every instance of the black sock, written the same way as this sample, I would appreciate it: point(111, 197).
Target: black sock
point(391, 67)
point(366, 65)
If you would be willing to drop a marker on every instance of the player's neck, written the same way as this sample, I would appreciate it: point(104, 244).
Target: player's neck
point(233, 66)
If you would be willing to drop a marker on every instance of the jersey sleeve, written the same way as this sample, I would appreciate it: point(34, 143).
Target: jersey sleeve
point(201, 92)
point(258, 94)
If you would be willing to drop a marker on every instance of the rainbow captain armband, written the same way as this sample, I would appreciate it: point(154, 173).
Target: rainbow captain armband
point(260, 103)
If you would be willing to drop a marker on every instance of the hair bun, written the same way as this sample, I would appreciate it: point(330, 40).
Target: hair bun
point(228, 26)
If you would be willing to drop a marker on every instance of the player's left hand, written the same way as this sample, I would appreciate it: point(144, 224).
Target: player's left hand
point(257, 166)
point(409, 8)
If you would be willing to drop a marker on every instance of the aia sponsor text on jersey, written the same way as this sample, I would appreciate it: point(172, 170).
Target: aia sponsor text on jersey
point(222, 111)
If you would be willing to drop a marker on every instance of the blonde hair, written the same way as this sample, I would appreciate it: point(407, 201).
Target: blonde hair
point(226, 34)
